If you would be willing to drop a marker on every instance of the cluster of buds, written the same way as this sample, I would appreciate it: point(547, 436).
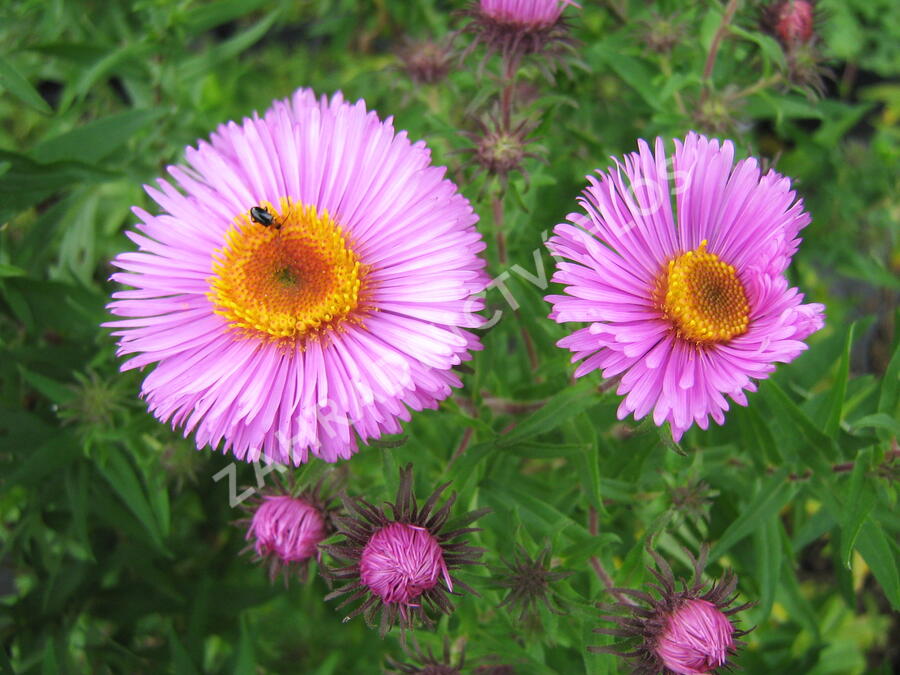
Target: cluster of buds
point(793, 24)
point(399, 564)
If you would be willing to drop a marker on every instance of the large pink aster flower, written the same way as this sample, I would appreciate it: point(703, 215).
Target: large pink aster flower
point(308, 286)
point(684, 308)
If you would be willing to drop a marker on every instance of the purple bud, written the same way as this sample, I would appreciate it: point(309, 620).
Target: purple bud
point(401, 561)
point(287, 527)
point(696, 639)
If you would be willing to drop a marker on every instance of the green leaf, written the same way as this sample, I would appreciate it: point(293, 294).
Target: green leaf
point(877, 421)
point(244, 660)
point(181, 660)
point(11, 271)
point(783, 404)
point(55, 391)
point(773, 493)
point(634, 72)
point(29, 182)
point(858, 504)
point(839, 387)
point(124, 481)
point(888, 398)
point(202, 18)
point(93, 141)
point(769, 554)
point(16, 84)
point(569, 402)
point(876, 550)
point(48, 662)
point(50, 457)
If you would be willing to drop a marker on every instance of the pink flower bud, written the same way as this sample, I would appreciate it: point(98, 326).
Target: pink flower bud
point(794, 21)
point(286, 527)
point(536, 13)
point(401, 561)
point(696, 639)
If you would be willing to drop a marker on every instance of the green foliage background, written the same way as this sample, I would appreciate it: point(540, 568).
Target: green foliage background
point(118, 550)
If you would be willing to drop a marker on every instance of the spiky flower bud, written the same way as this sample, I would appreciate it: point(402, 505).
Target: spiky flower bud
point(401, 561)
point(696, 639)
point(285, 529)
point(528, 580)
point(500, 148)
point(401, 565)
point(687, 632)
point(426, 61)
point(661, 33)
point(516, 28)
point(791, 21)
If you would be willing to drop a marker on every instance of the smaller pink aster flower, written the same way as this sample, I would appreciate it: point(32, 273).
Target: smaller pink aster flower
point(401, 565)
point(516, 28)
point(686, 632)
point(286, 530)
point(687, 300)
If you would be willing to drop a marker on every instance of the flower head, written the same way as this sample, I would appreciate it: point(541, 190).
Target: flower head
point(286, 529)
point(688, 307)
point(401, 565)
point(516, 28)
point(310, 285)
point(687, 631)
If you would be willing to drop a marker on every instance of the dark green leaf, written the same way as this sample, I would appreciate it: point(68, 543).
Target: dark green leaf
point(16, 84)
point(773, 493)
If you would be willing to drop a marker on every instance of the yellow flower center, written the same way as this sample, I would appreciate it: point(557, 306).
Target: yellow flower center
point(291, 280)
point(703, 297)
